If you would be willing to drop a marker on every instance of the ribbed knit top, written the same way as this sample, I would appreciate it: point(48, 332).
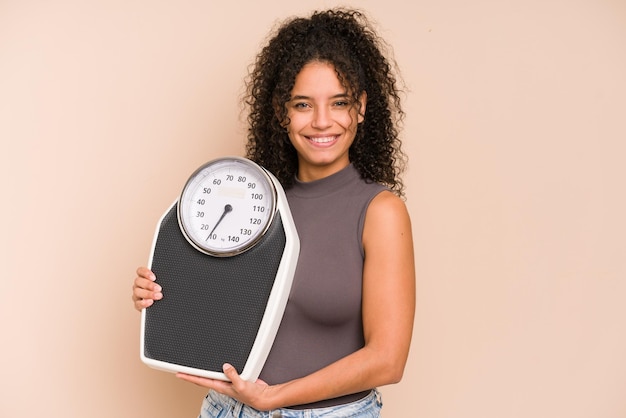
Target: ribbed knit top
point(322, 321)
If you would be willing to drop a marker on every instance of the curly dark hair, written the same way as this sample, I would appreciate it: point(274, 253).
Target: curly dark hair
point(345, 39)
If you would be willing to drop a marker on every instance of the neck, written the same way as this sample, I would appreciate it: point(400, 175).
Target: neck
point(307, 172)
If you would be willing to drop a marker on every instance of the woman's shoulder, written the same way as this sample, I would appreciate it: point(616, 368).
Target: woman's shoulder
point(387, 207)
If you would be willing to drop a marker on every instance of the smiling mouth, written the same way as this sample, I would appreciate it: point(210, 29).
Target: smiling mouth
point(322, 139)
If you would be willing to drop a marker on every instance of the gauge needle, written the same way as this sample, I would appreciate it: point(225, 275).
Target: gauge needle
point(227, 208)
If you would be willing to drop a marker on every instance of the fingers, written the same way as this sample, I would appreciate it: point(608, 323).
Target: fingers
point(232, 388)
point(145, 289)
point(231, 374)
point(237, 383)
point(146, 273)
point(218, 385)
point(250, 393)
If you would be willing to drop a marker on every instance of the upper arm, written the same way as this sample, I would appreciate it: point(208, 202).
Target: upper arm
point(388, 277)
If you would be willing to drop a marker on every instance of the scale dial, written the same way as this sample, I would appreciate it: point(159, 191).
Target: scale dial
point(226, 206)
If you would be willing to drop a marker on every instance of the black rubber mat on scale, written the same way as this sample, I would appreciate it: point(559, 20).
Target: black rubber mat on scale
point(212, 307)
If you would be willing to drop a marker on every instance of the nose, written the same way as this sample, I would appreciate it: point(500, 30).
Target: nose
point(321, 118)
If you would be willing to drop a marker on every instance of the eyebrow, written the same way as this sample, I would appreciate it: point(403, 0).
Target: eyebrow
point(336, 96)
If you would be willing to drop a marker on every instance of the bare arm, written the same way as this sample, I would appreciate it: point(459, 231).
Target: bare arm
point(388, 311)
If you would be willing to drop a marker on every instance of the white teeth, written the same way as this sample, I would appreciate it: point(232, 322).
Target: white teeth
point(323, 140)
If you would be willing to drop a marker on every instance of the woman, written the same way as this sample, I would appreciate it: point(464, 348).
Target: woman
point(324, 109)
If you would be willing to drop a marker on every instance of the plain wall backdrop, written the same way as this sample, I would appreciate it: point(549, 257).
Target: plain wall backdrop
point(516, 137)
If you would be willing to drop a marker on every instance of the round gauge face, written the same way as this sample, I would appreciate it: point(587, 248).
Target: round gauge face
point(226, 206)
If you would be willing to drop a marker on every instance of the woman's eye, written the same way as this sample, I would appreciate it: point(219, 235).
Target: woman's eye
point(300, 105)
point(342, 103)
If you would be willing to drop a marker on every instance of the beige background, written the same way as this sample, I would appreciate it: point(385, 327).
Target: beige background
point(515, 132)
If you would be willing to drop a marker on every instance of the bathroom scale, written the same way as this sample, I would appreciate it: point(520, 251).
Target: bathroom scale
point(224, 253)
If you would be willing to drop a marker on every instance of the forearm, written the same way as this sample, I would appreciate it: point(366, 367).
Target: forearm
point(364, 369)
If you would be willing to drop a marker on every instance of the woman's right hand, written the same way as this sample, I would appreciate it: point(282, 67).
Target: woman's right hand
point(145, 289)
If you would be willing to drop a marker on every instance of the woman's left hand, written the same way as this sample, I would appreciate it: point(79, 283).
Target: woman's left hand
point(254, 394)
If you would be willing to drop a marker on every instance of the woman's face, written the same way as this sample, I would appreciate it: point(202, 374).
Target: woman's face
point(323, 120)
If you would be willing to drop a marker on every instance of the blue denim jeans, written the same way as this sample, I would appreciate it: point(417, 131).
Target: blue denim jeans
point(216, 405)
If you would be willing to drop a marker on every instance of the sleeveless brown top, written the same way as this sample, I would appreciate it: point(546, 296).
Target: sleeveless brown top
point(322, 321)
